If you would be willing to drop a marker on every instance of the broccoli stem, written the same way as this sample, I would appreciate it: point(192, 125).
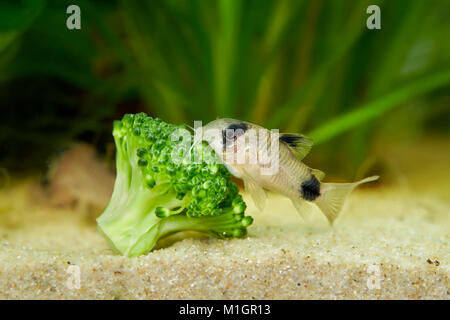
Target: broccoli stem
point(221, 226)
point(165, 227)
point(132, 232)
point(132, 226)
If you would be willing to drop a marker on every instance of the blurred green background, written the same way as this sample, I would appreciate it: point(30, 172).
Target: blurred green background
point(297, 65)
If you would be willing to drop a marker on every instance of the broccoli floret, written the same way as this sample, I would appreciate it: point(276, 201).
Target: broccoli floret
point(155, 196)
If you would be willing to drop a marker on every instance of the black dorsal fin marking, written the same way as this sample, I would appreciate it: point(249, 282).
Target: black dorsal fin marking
point(299, 144)
point(290, 139)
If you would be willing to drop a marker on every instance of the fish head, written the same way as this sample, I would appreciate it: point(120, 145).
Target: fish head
point(222, 133)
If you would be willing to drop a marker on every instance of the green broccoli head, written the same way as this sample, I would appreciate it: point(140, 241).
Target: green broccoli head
point(163, 187)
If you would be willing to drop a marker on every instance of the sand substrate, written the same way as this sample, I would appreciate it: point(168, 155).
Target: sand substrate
point(371, 252)
point(391, 242)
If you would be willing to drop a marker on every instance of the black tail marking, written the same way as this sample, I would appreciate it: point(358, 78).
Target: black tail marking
point(310, 189)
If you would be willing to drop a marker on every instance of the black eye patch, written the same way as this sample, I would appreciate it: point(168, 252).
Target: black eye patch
point(232, 132)
point(241, 125)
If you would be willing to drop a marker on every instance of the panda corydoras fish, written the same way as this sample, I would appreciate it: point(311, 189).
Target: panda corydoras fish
point(269, 160)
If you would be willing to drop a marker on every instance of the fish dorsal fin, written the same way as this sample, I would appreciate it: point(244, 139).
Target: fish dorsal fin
point(256, 192)
point(298, 143)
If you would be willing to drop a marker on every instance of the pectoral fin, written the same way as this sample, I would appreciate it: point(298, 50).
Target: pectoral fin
point(299, 144)
point(256, 192)
point(303, 208)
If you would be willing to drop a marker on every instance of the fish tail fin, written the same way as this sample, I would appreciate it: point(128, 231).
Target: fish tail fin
point(333, 196)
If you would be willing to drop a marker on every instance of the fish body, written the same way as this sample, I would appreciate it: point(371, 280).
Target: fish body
point(265, 159)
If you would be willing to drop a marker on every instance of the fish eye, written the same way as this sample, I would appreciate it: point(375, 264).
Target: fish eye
point(230, 134)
